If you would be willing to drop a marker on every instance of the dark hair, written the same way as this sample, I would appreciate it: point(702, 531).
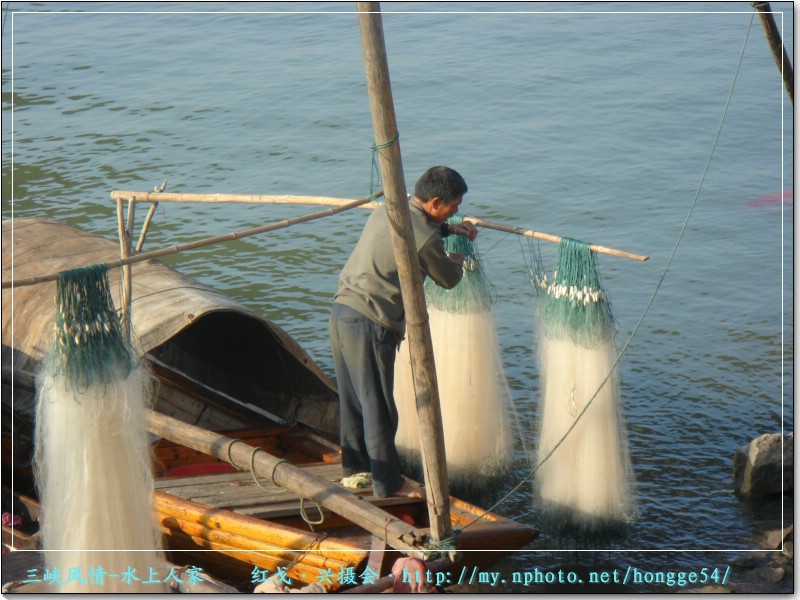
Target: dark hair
point(441, 182)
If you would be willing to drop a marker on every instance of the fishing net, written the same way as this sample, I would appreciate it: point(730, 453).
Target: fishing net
point(474, 293)
point(92, 460)
point(584, 482)
point(90, 346)
point(473, 391)
point(574, 305)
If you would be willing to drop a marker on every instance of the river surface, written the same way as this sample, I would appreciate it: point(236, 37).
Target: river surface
point(598, 121)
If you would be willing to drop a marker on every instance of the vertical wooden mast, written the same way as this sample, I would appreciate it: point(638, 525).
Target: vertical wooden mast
point(418, 329)
point(776, 45)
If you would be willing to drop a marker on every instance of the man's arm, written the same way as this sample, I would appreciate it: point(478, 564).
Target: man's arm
point(437, 265)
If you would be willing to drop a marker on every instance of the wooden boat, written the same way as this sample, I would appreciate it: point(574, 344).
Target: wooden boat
point(232, 387)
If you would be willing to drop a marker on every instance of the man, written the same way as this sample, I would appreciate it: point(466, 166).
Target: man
point(368, 322)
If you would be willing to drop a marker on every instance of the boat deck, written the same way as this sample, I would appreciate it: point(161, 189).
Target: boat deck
point(245, 494)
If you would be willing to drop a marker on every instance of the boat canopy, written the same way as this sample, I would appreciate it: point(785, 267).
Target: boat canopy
point(184, 327)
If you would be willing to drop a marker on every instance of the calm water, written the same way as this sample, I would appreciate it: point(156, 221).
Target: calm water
point(592, 120)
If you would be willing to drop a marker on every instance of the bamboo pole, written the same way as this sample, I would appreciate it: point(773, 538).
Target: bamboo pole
point(552, 238)
point(146, 226)
point(230, 198)
point(124, 253)
point(148, 218)
point(143, 196)
point(397, 533)
point(776, 45)
point(419, 335)
point(236, 235)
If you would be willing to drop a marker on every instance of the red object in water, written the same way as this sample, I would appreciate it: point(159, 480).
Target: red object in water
point(774, 199)
point(201, 469)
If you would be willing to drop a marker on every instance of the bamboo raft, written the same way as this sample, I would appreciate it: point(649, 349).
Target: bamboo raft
point(246, 459)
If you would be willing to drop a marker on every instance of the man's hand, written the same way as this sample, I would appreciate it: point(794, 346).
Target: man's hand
point(464, 228)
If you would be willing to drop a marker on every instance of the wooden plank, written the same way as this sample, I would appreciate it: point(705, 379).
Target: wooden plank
point(312, 445)
point(377, 555)
point(289, 509)
point(173, 485)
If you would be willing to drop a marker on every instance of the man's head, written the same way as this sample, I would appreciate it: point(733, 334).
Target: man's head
point(439, 191)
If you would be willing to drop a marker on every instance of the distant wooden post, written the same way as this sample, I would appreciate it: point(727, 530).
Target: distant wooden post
point(776, 45)
point(418, 329)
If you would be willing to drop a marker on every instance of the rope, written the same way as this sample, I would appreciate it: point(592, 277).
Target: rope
point(440, 548)
point(5, 14)
point(375, 180)
point(316, 542)
point(308, 521)
point(652, 297)
point(228, 447)
point(275, 465)
point(255, 451)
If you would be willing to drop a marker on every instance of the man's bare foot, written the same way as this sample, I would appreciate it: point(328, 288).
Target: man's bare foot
point(409, 489)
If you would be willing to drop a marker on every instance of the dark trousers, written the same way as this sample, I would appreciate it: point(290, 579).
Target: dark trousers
point(363, 355)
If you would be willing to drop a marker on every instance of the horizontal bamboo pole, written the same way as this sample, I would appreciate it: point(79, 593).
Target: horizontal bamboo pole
point(199, 243)
point(227, 198)
point(395, 532)
point(551, 238)
point(263, 199)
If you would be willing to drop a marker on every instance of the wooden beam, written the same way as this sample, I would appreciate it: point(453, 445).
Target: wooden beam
point(776, 45)
point(397, 533)
point(418, 329)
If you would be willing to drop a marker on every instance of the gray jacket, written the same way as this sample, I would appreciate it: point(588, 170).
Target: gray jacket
point(369, 282)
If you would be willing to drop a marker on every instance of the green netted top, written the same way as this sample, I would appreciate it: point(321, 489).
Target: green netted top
point(574, 304)
point(89, 344)
point(473, 293)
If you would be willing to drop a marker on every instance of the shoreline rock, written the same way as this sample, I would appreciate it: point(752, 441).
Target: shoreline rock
point(765, 466)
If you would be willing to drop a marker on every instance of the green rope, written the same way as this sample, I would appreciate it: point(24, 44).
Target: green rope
point(90, 346)
point(375, 180)
point(474, 293)
point(536, 284)
point(440, 548)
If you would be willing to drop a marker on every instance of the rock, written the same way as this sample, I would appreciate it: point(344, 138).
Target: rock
point(744, 563)
point(788, 549)
point(712, 589)
point(773, 540)
point(765, 466)
point(771, 574)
